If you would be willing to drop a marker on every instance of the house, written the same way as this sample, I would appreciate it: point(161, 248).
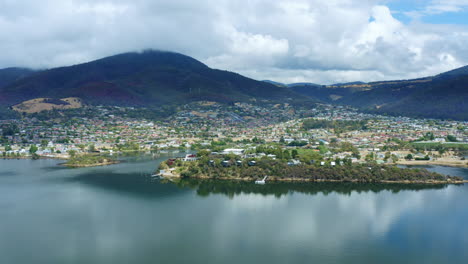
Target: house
point(294, 162)
point(190, 157)
point(324, 142)
point(233, 151)
point(226, 163)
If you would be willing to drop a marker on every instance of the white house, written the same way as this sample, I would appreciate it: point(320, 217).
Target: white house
point(233, 151)
point(190, 157)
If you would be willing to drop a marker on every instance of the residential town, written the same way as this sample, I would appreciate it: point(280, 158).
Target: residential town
point(341, 132)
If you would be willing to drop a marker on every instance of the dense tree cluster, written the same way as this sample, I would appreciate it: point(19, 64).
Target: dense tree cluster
point(339, 126)
point(88, 160)
point(9, 129)
point(278, 169)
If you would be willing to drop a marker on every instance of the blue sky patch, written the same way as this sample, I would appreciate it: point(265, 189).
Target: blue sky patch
point(400, 8)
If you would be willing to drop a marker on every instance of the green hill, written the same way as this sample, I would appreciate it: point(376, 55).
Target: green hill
point(441, 96)
point(148, 78)
point(10, 75)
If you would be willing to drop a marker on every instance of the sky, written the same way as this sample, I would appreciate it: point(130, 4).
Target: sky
point(285, 41)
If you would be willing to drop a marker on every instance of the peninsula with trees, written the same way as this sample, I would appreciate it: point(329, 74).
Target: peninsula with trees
point(89, 160)
point(229, 166)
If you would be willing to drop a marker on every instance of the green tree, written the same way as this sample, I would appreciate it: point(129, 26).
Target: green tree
point(44, 143)
point(369, 157)
point(203, 153)
point(72, 153)
point(429, 136)
point(451, 138)
point(387, 156)
point(33, 149)
point(294, 153)
point(282, 140)
point(323, 149)
point(92, 148)
point(81, 146)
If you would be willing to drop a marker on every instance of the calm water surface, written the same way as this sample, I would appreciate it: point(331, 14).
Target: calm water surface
point(116, 214)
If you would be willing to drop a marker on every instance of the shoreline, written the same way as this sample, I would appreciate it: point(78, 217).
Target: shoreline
point(66, 160)
point(31, 158)
point(296, 180)
point(90, 165)
point(455, 164)
point(309, 180)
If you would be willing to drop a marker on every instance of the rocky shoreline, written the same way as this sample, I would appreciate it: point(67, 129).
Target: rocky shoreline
point(309, 180)
point(450, 180)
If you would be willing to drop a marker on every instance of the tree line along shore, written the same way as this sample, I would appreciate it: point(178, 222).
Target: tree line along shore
point(230, 167)
point(89, 161)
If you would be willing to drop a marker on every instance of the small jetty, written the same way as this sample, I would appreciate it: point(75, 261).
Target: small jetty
point(166, 174)
point(157, 176)
point(261, 181)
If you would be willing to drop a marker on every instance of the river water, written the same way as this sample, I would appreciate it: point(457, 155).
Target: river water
point(117, 214)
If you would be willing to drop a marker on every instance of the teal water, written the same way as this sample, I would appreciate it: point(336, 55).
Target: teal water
point(116, 214)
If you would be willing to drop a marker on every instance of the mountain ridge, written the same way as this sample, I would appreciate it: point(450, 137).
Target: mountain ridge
point(440, 96)
point(11, 74)
point(154, 78)
point(141, 79)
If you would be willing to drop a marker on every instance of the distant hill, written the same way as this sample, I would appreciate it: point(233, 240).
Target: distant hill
point(441, 96)
point(348, 84)
point(303, 84)
point(155, 78)
point(322, 93)
point(433, 97)
point(274, 83)
point(454, 73)
point(149, 78)
point(10, 75)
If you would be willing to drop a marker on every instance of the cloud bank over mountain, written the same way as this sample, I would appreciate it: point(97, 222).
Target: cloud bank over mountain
point(287, 41)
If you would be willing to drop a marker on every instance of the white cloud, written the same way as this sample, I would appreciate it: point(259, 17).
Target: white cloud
point(294, 40)
point(436, 7)
point(311, 220)
point(442, 6)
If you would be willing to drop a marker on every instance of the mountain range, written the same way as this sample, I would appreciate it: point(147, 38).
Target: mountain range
point(155, 78)
point(441, 96)
point(148, 78)
point(10, 75)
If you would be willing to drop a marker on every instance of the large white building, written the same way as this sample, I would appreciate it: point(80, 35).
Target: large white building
point(233, 151)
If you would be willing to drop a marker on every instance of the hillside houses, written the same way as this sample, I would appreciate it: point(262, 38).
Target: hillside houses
point(199, 124)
